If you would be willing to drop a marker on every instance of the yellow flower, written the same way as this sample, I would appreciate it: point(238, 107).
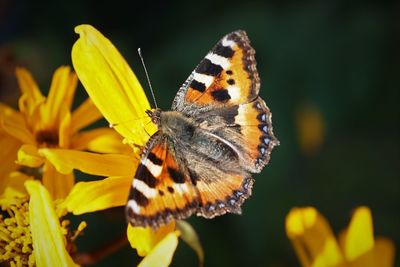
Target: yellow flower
point(310, 129)
point(44, 140)
point(316, 246)
point(8, 152)
point(32, 232)
point(117, 93)
point(45, 127)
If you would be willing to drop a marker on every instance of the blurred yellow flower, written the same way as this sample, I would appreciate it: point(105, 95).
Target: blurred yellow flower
point(117, 93)
point(42, 141)
point(8, 152)
point(32, 233)
point(316, 246)
point(310, 129)
point(45, 127)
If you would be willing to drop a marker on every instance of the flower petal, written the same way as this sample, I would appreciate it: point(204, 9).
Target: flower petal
point(162, 253)
point(8, 155)
point(144, 239)
point(312, 238)
point(59, 185)
point(97, 164)
point(384, 252)
point(15, 126)
point(13, 185)
point(381, 255)
point(101, 140)
point(111, 84)
point(359, 237)
point(47, 238)
point(189, 235)
point(98, 195)
point(84, 115)
point(28, 156)
point(61, 92)
point(9, 111)
point(64, 127)
point(28, 87)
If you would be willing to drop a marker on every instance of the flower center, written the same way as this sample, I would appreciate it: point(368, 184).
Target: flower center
point(36, 173)
point(47, 138)
point(16, 245)
point(15, 235)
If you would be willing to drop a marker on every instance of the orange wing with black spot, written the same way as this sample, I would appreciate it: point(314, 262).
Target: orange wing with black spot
point(255, 121)
point(226, 76)
point(160, 190)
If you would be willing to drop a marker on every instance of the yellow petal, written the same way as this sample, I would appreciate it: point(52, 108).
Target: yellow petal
point(111, 84)
point(381, 255)
point(161, 255)
point(14, 185)
point(144, 239)
point(64, 128)
point(61, 91)
point(98, 195)
point(97, 164)
point(28, 156)
point(84, 115)
point(8, 111)
point(359, 236)
point(101, 140)
point(312, 238)
point(47, 238)
point(59, 185)
point(15, 126)
point(8, 154)
point(384, 252)
point(189, 235)
point(28, 86)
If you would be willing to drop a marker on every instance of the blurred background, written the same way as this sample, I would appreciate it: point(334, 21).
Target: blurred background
point(330, 73)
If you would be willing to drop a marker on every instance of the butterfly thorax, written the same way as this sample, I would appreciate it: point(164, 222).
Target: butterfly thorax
point(173, 124)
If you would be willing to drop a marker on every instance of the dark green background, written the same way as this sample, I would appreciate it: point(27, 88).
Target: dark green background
point(339, 56)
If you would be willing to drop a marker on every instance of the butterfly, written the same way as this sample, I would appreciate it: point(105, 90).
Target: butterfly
point(216, 134)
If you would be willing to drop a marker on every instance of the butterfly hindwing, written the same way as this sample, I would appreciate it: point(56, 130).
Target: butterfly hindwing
point(160, 191)
point(226, 76)
point(223, 194)
point(254, 120)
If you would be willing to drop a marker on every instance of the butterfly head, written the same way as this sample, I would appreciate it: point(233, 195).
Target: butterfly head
point(155, 115)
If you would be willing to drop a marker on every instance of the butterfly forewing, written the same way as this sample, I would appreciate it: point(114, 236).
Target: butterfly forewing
point(226, 76)
point(160, 191)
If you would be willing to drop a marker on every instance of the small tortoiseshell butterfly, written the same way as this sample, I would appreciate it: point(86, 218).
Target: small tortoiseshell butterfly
point(218, 132)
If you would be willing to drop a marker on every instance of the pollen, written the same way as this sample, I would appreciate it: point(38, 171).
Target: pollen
point(15, 237)
point(16, 245)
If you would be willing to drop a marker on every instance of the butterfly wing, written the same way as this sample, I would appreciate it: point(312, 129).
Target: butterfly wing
point(223, 91)
point(226, 76)
point(221, 95)
point(173, 183)
point(160, 191)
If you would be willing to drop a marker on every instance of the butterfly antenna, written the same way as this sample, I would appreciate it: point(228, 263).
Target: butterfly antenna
point(147, 76)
